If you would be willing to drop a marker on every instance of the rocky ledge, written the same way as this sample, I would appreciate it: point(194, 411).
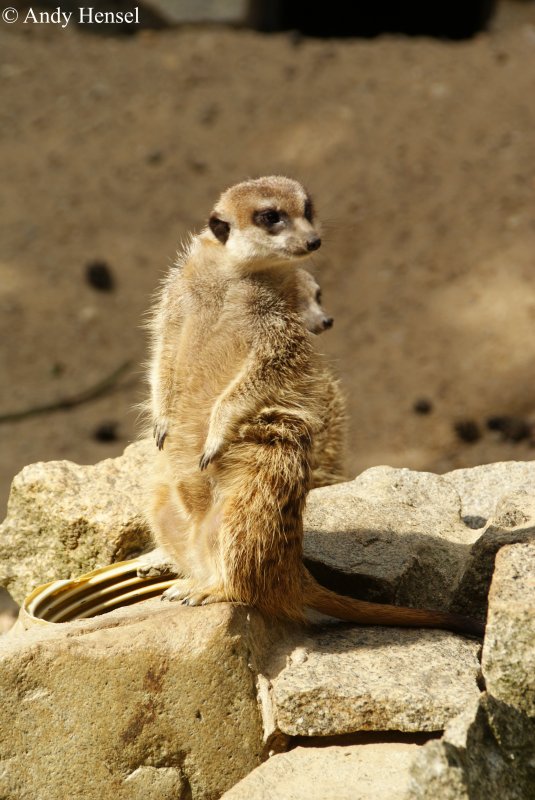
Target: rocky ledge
point(161, 701)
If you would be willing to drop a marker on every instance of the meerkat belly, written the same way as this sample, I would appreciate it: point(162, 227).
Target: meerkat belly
point(207, 363)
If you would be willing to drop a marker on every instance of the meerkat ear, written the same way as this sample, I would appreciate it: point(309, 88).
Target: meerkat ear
point(219, 228)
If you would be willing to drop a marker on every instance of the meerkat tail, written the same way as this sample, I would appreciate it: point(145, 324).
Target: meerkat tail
point(365, 613)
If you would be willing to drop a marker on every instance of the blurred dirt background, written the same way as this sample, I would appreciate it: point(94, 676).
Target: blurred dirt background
point(420, 154)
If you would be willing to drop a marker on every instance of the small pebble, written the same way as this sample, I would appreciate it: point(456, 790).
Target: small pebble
point(513, 429)
point(422, 406)
point(57, 369)
point(99, 275)
point(106, 432)
point(468, 431)
point(154, 157)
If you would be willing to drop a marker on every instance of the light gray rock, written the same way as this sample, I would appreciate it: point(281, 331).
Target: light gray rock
point(513, 521)
point(156, 782)
point(344, 679)
point(487, 752)
point(154, 701)
point(391, 535)
point(8, 611)
point(509, 651)
point(357, 772)
point(156, 681)
point(436, 776)
point(437, 771)
point(64, 519)
point(480, 488)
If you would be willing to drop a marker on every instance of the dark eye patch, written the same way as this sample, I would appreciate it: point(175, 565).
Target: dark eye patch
point(267, 218)
point(318, 297)
point(309, 209)
point(271, 217)
point(219, 228)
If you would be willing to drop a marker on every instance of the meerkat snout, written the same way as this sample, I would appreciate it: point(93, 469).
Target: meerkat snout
point(313, 244)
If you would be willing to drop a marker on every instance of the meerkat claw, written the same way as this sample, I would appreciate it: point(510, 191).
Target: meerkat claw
point(212, 449)
point(207, 458)
point(160, 434)
point(205, 461)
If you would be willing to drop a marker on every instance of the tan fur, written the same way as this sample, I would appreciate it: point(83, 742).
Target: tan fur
point(328, 451)
point(330, 436)
point(239, 410)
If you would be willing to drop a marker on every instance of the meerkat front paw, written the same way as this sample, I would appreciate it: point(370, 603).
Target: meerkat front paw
point(212, 449)
point(160, 431)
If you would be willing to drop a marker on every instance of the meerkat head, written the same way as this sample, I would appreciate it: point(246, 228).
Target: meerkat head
point(309, 304)
point(266, 221)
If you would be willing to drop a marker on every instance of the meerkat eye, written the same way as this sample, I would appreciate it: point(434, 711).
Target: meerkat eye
point(309, 210)
point(271, 217)
point(318, 297)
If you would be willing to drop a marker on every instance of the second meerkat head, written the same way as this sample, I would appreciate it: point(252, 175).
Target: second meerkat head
point(309, 304)
point(266, 221)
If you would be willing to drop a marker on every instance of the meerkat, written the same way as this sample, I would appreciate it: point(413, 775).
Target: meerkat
point(238, 412)
point(328, 447)
point(165, 324)
point(328, 452)
point(309, 303)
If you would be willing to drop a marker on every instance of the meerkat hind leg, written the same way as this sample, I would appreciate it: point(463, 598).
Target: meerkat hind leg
point(190, 593)
point(204, 583)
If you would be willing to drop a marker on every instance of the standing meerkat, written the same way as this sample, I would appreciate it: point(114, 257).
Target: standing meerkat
point(328, 446)
point(235, 418)
point(328, 451)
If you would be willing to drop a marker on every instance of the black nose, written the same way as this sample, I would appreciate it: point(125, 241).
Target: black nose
point(313, 244)
point(327, 323)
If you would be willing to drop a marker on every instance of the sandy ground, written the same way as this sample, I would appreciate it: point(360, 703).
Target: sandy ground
point(421, 157)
